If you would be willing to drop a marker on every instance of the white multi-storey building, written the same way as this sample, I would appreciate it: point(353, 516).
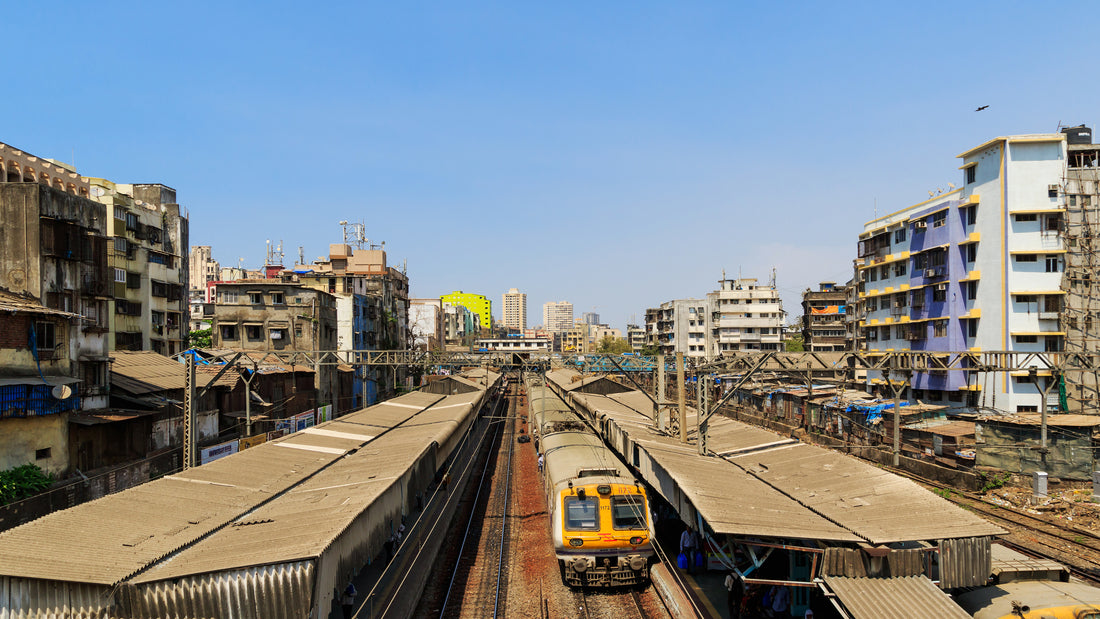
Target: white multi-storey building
point(514, 303)
point(745, 316)
point(557, 316)
point(983, 268)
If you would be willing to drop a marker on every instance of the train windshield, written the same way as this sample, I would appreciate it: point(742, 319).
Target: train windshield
point(582, 515)
point(628, 512)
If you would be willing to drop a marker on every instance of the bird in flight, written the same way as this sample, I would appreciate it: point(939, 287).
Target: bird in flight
point(981, 108)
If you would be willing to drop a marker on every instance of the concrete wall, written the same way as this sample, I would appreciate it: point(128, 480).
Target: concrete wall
point(22, 436)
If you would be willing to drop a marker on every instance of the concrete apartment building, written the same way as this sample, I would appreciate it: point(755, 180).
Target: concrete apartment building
point(984, 267)
point(745, 316)
point(514, 304)
point(426, 323)
point(681, 325)
point(203, 269)
point(461, 327)
point(557, 316)
point(372, 310)
point(477, 304)
point(824, 318)
point(272, 314)
point(740, 316)
point(636, 335)
point(150, 309)
point(54, 297)
point(590, 318)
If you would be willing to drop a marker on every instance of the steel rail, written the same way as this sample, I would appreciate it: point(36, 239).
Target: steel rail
point(504, 512)
point(469, 522)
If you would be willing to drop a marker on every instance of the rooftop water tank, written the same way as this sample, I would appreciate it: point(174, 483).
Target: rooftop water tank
point(1078, 135)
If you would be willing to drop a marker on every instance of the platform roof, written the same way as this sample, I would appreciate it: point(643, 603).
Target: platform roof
point(820, 493)
point(908, 597)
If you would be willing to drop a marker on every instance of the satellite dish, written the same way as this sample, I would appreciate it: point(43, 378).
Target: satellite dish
point(62, 392)
point(98, 191)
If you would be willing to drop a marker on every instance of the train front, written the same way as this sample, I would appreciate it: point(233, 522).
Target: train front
point(604, 532)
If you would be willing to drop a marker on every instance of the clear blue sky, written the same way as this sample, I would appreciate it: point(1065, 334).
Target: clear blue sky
point(613, 154)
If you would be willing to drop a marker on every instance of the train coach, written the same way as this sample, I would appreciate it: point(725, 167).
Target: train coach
point(599, 515)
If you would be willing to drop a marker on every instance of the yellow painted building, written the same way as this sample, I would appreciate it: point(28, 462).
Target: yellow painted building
point(476, 303)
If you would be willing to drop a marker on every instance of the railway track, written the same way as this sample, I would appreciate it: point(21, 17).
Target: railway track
point(1076, 548)
point(603, 604)
point(482, 583)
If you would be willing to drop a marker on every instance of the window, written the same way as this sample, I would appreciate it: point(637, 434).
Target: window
point(884, 333)
point(229, 332)
point(1052, 303)
point(971, 290)
point(582, 514)
point(277, 298)
point(1027, 258)
point(229, 296)
point(1053, 264)
point(44, 335)
point(872, 304)
point(1026, 408)
point(1052, 191)
point(1052, 223)
point(900, 268)
point(899, 235)
point(1026, 339)
point(131, 221)
point(1052, 343)
point(884, 272)
point(120, 213)
point(972, 327)
point(971, 173)
point(939, 328)
point(278, 334)
point(159, 258)
point(256, 298)
point(1026, 217)
point(42, 454)
point(121, 244)
point(873, 275)
point(120, 276)
point(628, 512)
point(133, 280)
point(939, 219)
point(939, 293)
point(972, 252)
point(972, 214)
point(254, 332)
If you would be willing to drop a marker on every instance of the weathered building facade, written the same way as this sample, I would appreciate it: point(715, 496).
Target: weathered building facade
point(824, 318)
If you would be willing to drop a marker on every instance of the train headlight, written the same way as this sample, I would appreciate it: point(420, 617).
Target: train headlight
point(603, 489)
point(576, 541)
point(636, 540)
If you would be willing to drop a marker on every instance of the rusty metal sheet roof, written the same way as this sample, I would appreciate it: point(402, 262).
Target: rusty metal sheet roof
point(141, 372)
point(1035, 419)
point(11, 302)
point(875, 504)
point(909, 597)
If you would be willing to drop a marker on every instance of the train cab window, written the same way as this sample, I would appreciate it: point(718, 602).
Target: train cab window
point(628, 512)
point(582, 515)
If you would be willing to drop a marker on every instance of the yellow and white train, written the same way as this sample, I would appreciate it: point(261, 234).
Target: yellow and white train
point(599, 515)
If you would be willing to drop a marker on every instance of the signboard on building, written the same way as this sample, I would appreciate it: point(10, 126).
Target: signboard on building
point(324, 413)
point(217, 452)
point(252, 441)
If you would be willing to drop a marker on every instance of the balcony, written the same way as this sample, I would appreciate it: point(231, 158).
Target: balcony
point(1048, 315)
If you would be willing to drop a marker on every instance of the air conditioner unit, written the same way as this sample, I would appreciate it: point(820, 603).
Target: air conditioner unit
point(920, 225)
point(941, 286)
point(930, 272)
point(1053, 187)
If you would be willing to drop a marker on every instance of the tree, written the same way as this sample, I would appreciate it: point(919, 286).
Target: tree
point(794, 342)
point(203, 338)
point(613, 345)
point(649, 350)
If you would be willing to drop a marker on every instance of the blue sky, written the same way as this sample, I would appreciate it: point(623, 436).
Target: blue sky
point(615, 155)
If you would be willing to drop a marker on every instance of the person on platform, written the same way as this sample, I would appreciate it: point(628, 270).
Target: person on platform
point(347, 601)
point(735, 591)
point(687, 547)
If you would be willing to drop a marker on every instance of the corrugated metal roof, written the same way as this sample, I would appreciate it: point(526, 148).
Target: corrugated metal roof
point(11, 302)
point(731, 502)
point(910, 597)
point(1035, 419)
point(857, 501)
point(875, 504)
point(141, 372)
point(115, 537)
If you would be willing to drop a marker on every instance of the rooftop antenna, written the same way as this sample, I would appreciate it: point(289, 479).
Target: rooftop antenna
point(301, 255)
point(267, 258)
point(773, 277)
point(344, 225)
